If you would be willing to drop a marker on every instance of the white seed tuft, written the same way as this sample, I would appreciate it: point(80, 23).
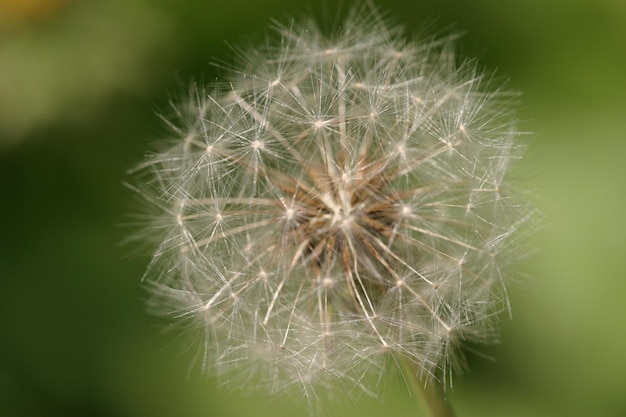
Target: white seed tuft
point(344, 199)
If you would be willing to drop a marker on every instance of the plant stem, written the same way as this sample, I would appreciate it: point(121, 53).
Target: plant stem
point(433, 395)
point(431, 392)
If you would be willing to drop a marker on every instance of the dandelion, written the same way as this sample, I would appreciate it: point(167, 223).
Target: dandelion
point(339, 204)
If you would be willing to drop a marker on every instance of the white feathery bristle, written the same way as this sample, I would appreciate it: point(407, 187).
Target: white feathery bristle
point(342, 200)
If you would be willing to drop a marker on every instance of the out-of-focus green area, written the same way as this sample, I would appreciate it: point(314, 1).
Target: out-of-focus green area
point(79, 85)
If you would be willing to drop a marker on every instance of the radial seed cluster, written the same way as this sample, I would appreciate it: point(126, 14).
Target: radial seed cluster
point(338, 202)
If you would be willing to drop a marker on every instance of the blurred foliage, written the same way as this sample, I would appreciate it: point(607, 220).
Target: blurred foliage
point(16, 13)
point(61, 63)
point(79, 84)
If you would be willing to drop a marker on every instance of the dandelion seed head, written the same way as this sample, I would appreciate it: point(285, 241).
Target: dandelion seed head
point(344, 199)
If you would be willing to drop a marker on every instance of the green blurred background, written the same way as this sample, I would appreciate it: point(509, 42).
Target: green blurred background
point(80, 82)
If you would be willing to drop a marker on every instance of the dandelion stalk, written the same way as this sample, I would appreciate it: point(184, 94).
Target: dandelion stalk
point(338, 200)
point(435, 399)
point(430, 391)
